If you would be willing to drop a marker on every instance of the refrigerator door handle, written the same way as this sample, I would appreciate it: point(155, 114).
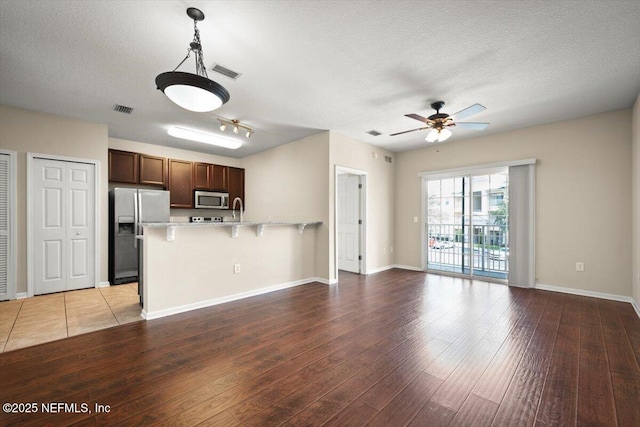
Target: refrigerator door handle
point(135, 219)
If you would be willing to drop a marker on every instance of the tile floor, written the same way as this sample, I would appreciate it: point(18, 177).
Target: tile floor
point(31, 321)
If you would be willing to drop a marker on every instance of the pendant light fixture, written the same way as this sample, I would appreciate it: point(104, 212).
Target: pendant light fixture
point(193, 92)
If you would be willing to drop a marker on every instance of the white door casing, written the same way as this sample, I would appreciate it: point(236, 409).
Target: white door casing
point(349, 222)
point(62, 203)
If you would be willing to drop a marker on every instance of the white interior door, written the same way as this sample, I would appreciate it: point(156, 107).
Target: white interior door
point(63, 225)
point(349, 222)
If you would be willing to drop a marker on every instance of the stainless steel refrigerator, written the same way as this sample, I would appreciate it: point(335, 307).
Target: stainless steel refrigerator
point(128, 207)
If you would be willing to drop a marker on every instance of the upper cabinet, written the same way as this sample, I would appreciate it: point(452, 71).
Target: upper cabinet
point(210, 177)
point(236, 186)
point(180, 184)
point(202, 176)
point(153, 170)
point(135, 168)
point(123, 166)
point(180, 177)
point(220, 178)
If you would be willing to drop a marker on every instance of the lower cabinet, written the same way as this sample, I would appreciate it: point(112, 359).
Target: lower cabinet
point(180, 184)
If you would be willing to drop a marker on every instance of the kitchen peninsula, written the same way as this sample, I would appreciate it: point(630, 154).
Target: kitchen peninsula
point(187, 266)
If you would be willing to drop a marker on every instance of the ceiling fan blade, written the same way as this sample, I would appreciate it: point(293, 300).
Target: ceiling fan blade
point(470, 125)
point(469, 111)
point(407, 131)
point(418, 117)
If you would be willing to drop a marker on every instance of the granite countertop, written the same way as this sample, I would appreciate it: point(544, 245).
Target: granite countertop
point(226, 224)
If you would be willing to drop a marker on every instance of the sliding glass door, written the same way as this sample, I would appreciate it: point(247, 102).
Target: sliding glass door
point(466, 224)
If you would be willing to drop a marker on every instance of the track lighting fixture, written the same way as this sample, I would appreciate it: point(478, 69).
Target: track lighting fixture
point(236, 126)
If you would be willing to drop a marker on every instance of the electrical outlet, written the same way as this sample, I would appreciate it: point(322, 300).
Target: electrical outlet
point(236, 268)
point(384, 250)
point(391, 249)
point(415, 219)
point(579, 266)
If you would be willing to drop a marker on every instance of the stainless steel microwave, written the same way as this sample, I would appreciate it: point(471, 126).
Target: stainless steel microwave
point(211, 200)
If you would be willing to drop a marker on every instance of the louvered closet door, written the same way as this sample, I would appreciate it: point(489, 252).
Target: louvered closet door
point(4, 227)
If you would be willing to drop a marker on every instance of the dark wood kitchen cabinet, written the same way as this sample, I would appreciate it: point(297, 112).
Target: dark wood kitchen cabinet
point(210, 177)
point(236, 186)
point(152, 170)
point(202, 176)
point(180, 184)
point(219, 178)
point(123, 166)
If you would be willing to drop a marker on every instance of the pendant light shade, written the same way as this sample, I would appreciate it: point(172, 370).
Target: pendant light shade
point(193, 92)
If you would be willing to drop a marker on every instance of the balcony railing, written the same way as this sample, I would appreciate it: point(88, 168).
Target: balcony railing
point(483, 252)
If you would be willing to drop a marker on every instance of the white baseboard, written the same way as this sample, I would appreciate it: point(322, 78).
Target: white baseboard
point(392, 266)
point(408, 267)
point(379, 269)
point(635, 306)
point(584, 293)
point(103, 284)
point(215, 301)
point(323, 281)
point(21, 295)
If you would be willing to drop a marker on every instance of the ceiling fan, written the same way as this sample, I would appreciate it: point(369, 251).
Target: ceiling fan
point(440, 122)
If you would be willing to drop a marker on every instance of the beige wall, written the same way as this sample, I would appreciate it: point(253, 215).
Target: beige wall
point(206, 256)
point(27, 131)
point(583, 210)
point(350, 153)
point(636, 201)
point(291, 183)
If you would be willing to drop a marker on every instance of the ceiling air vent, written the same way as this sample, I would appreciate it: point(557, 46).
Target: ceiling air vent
point(374, 132)
point(388, 159)
point(225, 71)
point(123, 109)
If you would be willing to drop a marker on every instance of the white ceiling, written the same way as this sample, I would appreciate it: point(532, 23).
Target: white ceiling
point(308, 66)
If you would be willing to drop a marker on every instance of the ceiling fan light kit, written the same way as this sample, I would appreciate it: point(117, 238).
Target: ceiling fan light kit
point(439, 123)
point(436, 135)
point(193, 92)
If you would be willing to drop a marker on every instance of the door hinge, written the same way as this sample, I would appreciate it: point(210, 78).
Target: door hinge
point(360, 221)
point(359, 185)
point(359, 257)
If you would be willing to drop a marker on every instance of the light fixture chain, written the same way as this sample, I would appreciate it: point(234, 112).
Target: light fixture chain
point(185, 58)
point(200, 68)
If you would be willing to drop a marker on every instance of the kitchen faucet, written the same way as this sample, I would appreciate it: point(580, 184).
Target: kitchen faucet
point(233, 213)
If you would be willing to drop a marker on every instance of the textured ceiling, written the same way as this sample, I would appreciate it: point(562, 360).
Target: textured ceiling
point(307, 66)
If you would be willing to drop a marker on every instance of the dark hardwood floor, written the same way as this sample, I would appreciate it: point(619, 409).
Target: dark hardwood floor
point(391, 349)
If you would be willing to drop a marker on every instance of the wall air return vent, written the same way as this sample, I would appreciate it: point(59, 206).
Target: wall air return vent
point(388, 159)
point(225, 71)
point(123, 109)
point(374, 132)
